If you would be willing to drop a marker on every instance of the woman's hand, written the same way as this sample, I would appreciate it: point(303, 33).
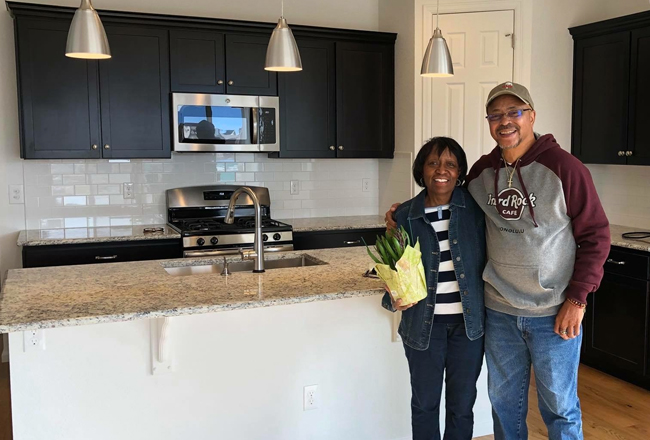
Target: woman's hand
point(390, 221)
point(397, 303)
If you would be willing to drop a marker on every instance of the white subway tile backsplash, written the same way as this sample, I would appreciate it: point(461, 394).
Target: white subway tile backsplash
point(88, 193)
point(62, 168)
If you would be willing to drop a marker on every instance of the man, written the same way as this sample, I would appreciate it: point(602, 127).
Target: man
point(547, 241)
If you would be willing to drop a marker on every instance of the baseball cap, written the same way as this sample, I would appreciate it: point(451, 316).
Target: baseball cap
point(510, 88)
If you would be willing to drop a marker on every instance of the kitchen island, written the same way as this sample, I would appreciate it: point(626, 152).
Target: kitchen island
point(235, 375)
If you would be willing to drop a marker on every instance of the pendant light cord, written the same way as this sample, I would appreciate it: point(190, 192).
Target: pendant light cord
point(282, 9)
point(437, 15)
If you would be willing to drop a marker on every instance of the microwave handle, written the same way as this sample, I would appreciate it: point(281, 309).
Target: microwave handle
point(255, 112)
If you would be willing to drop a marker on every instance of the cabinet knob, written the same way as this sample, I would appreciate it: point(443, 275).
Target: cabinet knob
point(107, 147)
point(220, 82)
point(94, 147)
point(621, 153)
point(332, 147)
point(340, 147)
point(628, 153)
point(231, 82)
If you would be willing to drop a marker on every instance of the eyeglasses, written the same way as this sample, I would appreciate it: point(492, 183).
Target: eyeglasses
point(512, 114)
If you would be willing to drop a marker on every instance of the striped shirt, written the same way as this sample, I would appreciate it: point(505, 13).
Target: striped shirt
point(449, 309)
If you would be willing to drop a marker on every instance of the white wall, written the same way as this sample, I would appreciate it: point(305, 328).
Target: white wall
point(237, 375)
point(47, 182)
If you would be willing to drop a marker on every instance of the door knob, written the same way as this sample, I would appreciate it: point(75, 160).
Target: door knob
point(231, 82)
point(220, 82)
point(340, 147)
point(107, 147)
point(94, 147)
point(332, 147)
point(621, 153)
point(628, 153)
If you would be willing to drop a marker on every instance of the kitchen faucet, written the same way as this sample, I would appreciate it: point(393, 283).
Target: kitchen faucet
point(230, 218)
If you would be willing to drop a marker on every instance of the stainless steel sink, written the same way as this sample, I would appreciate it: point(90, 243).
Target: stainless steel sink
point(244, 266)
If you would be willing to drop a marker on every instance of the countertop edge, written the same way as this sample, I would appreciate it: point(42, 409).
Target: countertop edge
point(73, 322)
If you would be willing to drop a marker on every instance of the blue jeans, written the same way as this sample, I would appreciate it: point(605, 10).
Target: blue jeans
point(449, 349)
point(512, 345)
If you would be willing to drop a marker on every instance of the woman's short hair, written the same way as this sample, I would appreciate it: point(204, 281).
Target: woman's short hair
point(439, 145)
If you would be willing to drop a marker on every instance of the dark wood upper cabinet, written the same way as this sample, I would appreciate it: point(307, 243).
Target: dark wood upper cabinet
point(58, 96)
point(365, 100)
point(134, 86)
point(245, 60)
point(638, 141)
point(610, 91)
point(308, 103)
point(197, 62)
point(601, 88)
point(341, 104)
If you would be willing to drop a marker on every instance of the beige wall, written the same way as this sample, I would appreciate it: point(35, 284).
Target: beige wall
point(357, 14)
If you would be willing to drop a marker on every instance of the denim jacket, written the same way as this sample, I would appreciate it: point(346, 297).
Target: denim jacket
point(467, 243)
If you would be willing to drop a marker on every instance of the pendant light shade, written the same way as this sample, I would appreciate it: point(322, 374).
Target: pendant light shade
point(282, 55)
point(87, 37)
point(437, 59)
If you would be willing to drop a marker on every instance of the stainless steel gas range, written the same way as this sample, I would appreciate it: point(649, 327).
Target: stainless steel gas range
point(198, 214)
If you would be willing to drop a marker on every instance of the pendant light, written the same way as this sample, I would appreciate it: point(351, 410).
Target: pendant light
point(282, 55)
point(437, 59)
point(87, 37)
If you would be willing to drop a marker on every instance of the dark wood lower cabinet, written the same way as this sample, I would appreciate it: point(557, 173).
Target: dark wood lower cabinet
point(94, 253)
point(617, 321)
point(335, 239)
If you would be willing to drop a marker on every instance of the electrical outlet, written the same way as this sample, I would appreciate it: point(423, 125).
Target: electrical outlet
point(310, 397)
point(127, 190)
point(16, 194)
point(295, 187)
point(365, 185)
point(33, 340)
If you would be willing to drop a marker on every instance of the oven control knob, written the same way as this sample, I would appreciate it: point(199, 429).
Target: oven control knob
point(265, 237)
point(200, 242)
point(214, 240)
point(276, 236)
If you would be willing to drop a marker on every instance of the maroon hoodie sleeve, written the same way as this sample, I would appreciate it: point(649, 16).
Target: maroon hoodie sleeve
point(590, 226)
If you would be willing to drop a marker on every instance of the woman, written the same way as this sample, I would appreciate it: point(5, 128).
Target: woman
point(443, 333)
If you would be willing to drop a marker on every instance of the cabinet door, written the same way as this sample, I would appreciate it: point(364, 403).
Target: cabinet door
point(99, 253)
point(58, 96)
point(308, 103)
point(135, 95)
point(365, 100)
point(335, 239)
point(600, 98)
point(197, 62)
point(639, 142)
point(245, 59)
point(617, 325)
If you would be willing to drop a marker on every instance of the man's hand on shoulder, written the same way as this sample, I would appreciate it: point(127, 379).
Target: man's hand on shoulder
point(390, 220)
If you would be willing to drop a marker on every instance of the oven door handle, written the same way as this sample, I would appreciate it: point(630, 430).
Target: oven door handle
point(233, 251)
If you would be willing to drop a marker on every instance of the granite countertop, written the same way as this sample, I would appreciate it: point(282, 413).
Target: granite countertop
point(42, 237)
point(616, 232)
point(66, 296)
point(336, 223)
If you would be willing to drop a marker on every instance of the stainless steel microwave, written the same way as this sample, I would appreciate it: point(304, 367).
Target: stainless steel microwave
point(225, 123)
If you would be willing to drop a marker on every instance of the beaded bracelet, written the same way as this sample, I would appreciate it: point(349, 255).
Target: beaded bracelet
point(576, 303)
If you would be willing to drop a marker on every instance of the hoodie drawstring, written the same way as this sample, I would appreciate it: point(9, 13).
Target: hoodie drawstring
point(530, 203)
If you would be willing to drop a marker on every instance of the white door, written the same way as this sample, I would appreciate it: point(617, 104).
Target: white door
point(481, 50)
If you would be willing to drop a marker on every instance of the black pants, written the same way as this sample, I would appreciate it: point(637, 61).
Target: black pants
point(450, 352)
